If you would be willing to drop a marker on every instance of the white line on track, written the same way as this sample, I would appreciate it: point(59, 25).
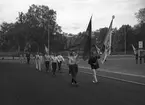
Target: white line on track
point(112, 77)
point(117, 79)
point(105, 70)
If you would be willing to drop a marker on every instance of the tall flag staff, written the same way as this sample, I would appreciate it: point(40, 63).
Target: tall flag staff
point(87, 47)
point(107, 43)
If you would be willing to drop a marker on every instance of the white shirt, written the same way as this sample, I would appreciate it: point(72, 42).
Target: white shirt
point(37, 56)
point(60, 58)
point(41, 58)
point(72, 60)
point(47, 58)
point(54, 59)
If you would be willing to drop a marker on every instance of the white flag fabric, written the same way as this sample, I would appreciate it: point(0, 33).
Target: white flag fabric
point(107, 43)
point(134, 49)
point(46, 49)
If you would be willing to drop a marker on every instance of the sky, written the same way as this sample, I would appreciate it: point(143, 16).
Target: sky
point(74, 15)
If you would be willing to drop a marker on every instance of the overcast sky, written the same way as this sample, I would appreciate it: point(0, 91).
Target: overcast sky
point(74, 15)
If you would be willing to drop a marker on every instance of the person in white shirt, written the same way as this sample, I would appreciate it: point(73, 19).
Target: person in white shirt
point(21, 58)
point(25, 58)
point(60, 60)
point(37, 61)
point(54, 64)
point(41, 61)
point(73, 65)
point(47, 62)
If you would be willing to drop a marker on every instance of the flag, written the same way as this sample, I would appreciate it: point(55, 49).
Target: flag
point(134, 49)
point(46, 49)
point(87, 44)
point(107, 43)
point(98, 49)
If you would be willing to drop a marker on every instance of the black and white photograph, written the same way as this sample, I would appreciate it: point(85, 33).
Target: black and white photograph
point(72, 52)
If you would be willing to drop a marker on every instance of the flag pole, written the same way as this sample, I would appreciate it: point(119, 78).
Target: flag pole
point(48, 39)
point(125, 38)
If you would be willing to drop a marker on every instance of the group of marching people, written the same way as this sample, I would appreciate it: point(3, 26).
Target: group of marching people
point(53, 63)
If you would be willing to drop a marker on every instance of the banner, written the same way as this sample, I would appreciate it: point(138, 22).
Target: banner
point(107, 42)
point(134, 49)
point(87, 46)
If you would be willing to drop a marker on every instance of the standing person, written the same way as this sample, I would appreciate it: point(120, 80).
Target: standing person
point(21, 58)
point(60, 60)
point(37, 61)
point(54, 63)
point(28, 57)
point(41, 61)
point(47, 62)
point(136, 57)
point(69, 67)
point(93, 61)
point(25, 58)
point(144, 56)
point(73, 64)
point(140, 56)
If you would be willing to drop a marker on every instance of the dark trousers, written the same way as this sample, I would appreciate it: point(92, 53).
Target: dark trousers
point(136, 59)
point(144, 59)
point(69, 69)
point(59, 65)
point(28, 60)
point(54, 64)
point(140, 59)
point(47, 65)
point(74, 71)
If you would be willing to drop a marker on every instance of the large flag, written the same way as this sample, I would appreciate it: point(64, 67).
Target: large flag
point(107, 43)
point(87, 44)
point(134, 49)
point(46, 49)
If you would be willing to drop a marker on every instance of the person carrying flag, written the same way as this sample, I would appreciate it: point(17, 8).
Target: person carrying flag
point(73, 66)
point(93, 62)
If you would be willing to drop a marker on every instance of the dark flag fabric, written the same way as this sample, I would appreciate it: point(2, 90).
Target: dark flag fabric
point(107, 43)
point(87, 44)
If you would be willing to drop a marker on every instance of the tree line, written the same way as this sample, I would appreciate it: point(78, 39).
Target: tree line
point(32, 28)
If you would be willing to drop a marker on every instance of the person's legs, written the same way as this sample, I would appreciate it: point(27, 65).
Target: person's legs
point(140, 60)
point(73, 74)
point(70, 69)
point(136, 58)
point(39, 65)
point(94, 75)
point(46, 66)
point(36, 62)
point(53, 67)
point(28, 60)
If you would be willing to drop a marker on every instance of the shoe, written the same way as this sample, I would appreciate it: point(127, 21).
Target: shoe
point(95, 81)
point(72, 83)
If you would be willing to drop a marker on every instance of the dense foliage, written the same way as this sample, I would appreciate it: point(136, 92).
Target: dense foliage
point(31, 29)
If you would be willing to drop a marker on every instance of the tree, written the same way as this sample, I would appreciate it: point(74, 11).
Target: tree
point(140, 15)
